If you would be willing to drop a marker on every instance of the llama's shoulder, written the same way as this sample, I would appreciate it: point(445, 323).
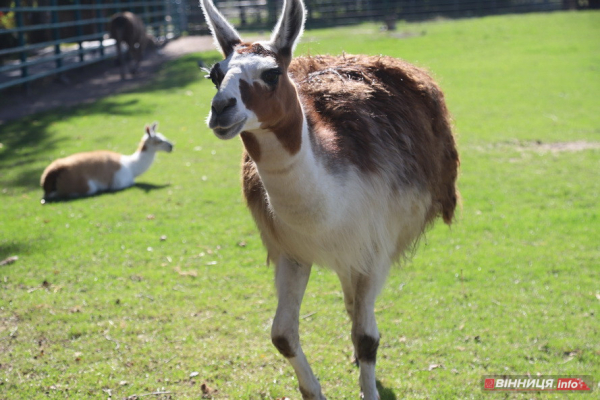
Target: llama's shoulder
point(385, 116)
point(358, 78)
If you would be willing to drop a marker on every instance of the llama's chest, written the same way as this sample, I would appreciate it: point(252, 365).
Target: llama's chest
point(354, 225)
point(122, 179)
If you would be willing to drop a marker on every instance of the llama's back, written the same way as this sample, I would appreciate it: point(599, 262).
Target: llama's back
point(387, 117)
point(80, 174)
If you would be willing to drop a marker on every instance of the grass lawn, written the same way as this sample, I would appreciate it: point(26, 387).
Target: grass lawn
point(98, 306)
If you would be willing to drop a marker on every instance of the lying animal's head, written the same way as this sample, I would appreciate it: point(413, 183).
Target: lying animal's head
point(154, 141)
point(253, 88)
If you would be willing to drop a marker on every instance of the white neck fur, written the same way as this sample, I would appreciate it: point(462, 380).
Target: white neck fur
point(298, 186)
point(139, 162)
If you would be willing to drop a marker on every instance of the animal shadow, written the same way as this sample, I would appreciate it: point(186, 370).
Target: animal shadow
point(385, 393)
point(146, 187)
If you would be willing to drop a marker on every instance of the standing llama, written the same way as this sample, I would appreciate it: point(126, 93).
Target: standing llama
point(85, 174)
point(129, 28)
point(347, 160)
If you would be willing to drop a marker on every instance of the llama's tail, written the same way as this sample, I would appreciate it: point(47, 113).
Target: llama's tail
point(49, 180)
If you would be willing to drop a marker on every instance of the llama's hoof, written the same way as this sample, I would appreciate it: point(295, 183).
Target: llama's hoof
point(371, 396)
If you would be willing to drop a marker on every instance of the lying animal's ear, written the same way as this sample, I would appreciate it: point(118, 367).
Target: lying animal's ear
point(148, 130)
point(154, 126)
point(289, 28)
point(225, 35)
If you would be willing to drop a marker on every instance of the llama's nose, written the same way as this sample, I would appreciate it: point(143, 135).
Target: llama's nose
point(219, 106)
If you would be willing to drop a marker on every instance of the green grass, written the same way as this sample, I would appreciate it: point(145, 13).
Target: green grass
point(98, 306)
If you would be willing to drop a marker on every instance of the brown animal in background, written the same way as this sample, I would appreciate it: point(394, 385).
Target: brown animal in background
point(129, 28)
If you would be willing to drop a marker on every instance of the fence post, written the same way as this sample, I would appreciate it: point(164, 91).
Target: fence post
point(182, 15)
point(22, 54)
point(99, 26)
point(79, 28)
point(56, 33)
point(272, 12)
point(146, 18)
point(151, 9)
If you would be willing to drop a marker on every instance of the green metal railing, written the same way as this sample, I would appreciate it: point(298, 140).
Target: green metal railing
point(48, 37)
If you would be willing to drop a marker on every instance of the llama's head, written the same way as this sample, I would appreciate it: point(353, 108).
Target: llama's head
point(254, 92)
point(154, 141)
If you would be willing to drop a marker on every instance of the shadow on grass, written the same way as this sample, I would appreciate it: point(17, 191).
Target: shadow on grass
point(385, 393)
point(25, 143)
point(146, 187)
point(12, 249)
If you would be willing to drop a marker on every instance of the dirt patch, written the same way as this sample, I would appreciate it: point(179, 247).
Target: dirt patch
point(89, 84)
point(559, 147)
point(540, 147)
point(406, 34)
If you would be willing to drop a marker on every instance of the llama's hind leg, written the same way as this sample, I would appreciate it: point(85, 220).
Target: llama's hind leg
point(291, 279)
point(348, 287)
point(365, 335)
point(121, 59)
point(72, 184)
point(137, 53)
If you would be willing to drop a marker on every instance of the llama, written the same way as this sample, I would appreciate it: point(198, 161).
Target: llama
point(129, 28)
point(85, 174)
point(347, 160)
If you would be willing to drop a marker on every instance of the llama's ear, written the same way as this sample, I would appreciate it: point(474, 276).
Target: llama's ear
point(154, 126)
point(225, 35)
point(289, 28)
point(148, 130)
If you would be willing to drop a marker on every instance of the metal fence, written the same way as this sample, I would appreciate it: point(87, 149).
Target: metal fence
point(39, 38)
point(262, 14)
point(45, 37)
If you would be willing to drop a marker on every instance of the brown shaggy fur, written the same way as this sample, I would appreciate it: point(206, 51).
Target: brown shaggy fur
point(256, 194)
point(69, 176)
point(384, 115)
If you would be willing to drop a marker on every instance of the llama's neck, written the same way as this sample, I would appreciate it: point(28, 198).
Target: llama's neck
point(139, 162)
point(300, 189)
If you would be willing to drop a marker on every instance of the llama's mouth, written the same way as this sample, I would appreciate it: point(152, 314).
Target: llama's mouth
point(231, 131)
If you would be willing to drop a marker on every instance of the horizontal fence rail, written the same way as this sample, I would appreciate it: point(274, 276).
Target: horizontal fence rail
point(46, 37)
point(262, 14)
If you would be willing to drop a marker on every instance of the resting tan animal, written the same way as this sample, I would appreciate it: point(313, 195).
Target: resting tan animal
point(84, 174)
point(129, 28)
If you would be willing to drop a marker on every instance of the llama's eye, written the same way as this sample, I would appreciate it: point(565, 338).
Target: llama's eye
point(216, 75)
point(215, 79)
point(271, 76)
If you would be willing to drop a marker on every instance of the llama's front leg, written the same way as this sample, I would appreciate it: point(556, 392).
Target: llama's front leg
point(291, 279)
point(121, 59)
point(365, 334)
